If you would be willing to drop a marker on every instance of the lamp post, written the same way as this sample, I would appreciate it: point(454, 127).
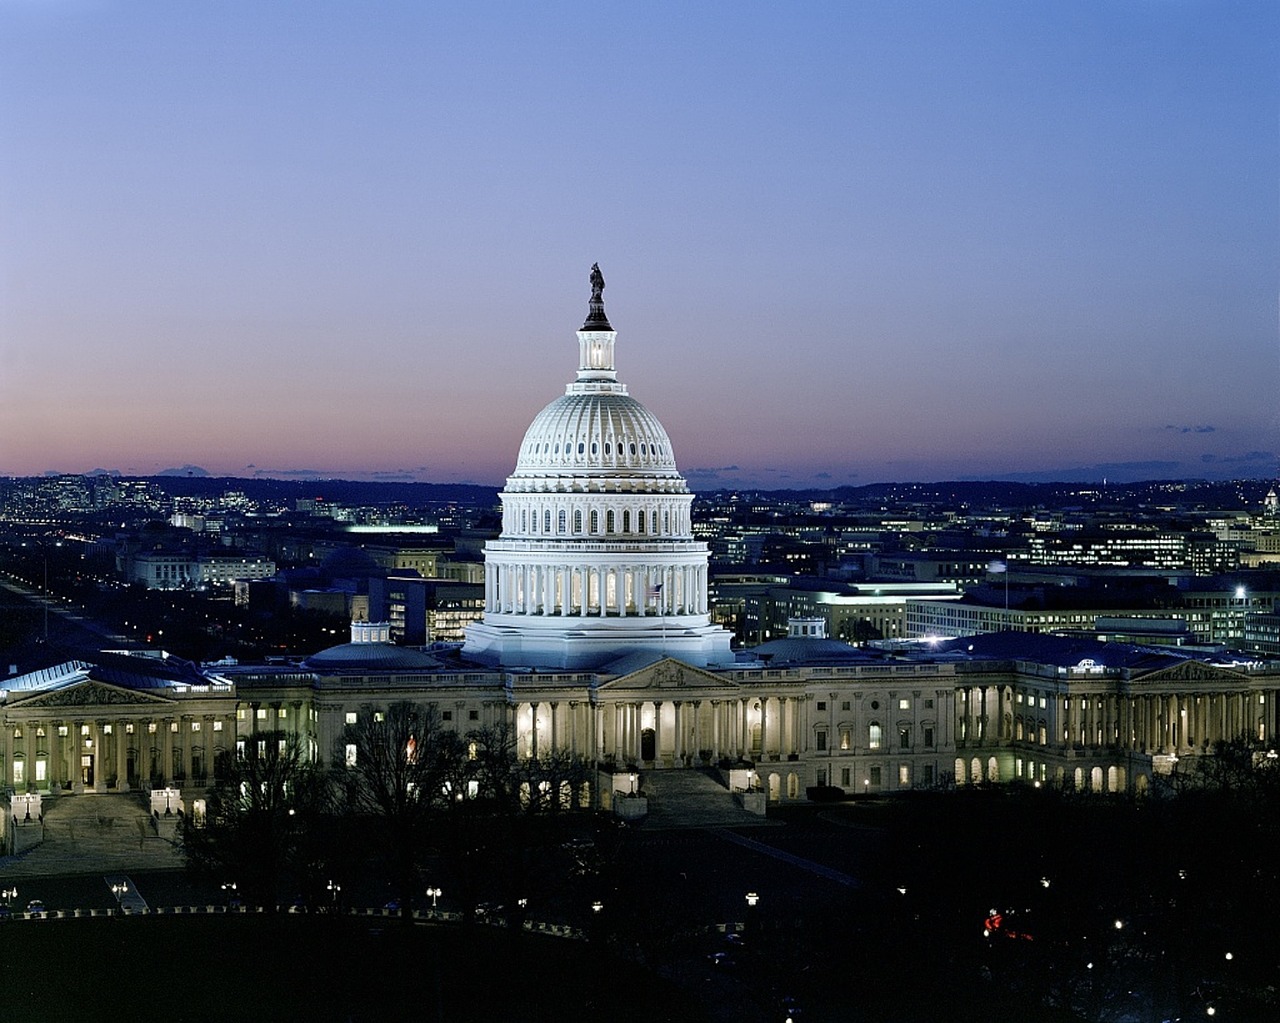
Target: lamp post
point(433, 894)
point(334, 891)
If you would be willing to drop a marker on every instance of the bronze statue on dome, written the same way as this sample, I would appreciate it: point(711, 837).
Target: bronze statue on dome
point(597, 283)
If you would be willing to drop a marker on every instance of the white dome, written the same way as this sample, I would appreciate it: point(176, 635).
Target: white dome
point(609, 435)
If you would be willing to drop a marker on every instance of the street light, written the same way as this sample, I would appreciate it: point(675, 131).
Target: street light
point(752, 899)
point(433, 894)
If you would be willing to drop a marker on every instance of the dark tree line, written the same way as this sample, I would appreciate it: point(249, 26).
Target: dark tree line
point(403, 798)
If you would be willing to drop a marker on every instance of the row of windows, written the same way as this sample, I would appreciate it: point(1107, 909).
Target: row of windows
point(875, 737)
point(593, 520)
point(109, 729)
point(610, 448)
point(903, 704)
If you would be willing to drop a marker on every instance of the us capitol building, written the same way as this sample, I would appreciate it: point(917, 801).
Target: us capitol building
point(597, 639)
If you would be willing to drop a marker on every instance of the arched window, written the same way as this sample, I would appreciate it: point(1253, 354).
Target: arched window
point(595, 521)
point(640, 521)
point(581, 447)
point(626, 521)
point(561, 524)
point(608, 521)
point(546, 521)
point(873, 735)
point(577, 522)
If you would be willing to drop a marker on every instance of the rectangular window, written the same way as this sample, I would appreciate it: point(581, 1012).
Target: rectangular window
point(106, 730)
point(928, 704)
point(377, 716)
point(875, 777)
point(195, 726)
point(351, 717)
point(904, 704)
point(904, 738)
point(18, 778)
point(173, 726)
point(239, 713)
point(446, 715)
point(904, 775)
point(822, 741)
point(350, 754)
point(151, 728)
point(217, 726)
point(845, 776)
point(128, 729)
point(928, 774)
point(282, 713)
point(262, 713)
point(822, 705)
point(928, 736)
point(873, 736)
point(845, 705)
point(84, 730)
point(41, 768)
point(473, 715)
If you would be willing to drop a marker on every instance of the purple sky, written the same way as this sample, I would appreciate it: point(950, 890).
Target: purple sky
point(844, 242)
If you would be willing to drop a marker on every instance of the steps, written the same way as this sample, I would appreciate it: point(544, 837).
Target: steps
point(94, 834)
point(691, 798)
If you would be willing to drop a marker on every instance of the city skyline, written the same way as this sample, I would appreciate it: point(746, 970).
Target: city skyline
point(844, 244)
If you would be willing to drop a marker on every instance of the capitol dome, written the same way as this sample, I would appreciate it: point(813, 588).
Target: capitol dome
point(597, 556)
point(595, 436)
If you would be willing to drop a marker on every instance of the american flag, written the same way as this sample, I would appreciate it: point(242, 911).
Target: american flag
point(654, 592)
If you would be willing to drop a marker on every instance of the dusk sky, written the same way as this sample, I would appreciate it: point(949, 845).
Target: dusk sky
point(844, 242)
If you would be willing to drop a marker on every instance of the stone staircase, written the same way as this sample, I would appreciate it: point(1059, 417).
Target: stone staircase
point(93, 834)
point(692, 798)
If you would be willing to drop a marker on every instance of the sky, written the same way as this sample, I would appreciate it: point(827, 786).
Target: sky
point(844, 242)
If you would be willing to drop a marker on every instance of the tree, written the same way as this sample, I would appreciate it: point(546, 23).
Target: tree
point(263, 819)
point(394, 772)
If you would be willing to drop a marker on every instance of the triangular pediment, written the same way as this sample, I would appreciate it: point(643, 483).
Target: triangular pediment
point(90, 694)
point(1193, 671)
point(668, 674)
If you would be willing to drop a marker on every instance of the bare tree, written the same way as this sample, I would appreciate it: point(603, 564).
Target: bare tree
point(261, 818)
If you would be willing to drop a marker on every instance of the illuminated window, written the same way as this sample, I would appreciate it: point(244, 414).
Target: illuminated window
point(873, 735)
point(17, 733)
point(195, 726)
point(128, 729)
point(904, 705)
point(904, 774)
point(351, 717)
point(239, 713)
point(173, 726)
point(282, 713)
point(217, 726)
point(378, 716)
point(84, 730)
point(151, 728)
point(40, 731)
point(262, 713)
point(844, 738)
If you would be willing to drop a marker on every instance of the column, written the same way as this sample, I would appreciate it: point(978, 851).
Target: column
point(657, 732)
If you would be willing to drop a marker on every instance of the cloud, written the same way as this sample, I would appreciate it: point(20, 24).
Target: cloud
point(822, 476)
point(186, 470)
point(1190, 429)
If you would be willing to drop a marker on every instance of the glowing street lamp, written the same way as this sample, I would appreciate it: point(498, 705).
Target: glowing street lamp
point(433, 894)
point(752, 899)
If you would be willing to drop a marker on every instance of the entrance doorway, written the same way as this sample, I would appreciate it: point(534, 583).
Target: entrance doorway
point(648, 745)
point(86, 770)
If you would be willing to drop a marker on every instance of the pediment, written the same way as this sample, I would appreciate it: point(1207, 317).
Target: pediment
point(670, 675)
point(90, 694)
point(1193, 671)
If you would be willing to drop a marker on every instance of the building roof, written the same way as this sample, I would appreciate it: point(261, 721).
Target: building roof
point(377, 657)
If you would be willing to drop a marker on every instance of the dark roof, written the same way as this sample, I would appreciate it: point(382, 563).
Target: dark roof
point(380, 657)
